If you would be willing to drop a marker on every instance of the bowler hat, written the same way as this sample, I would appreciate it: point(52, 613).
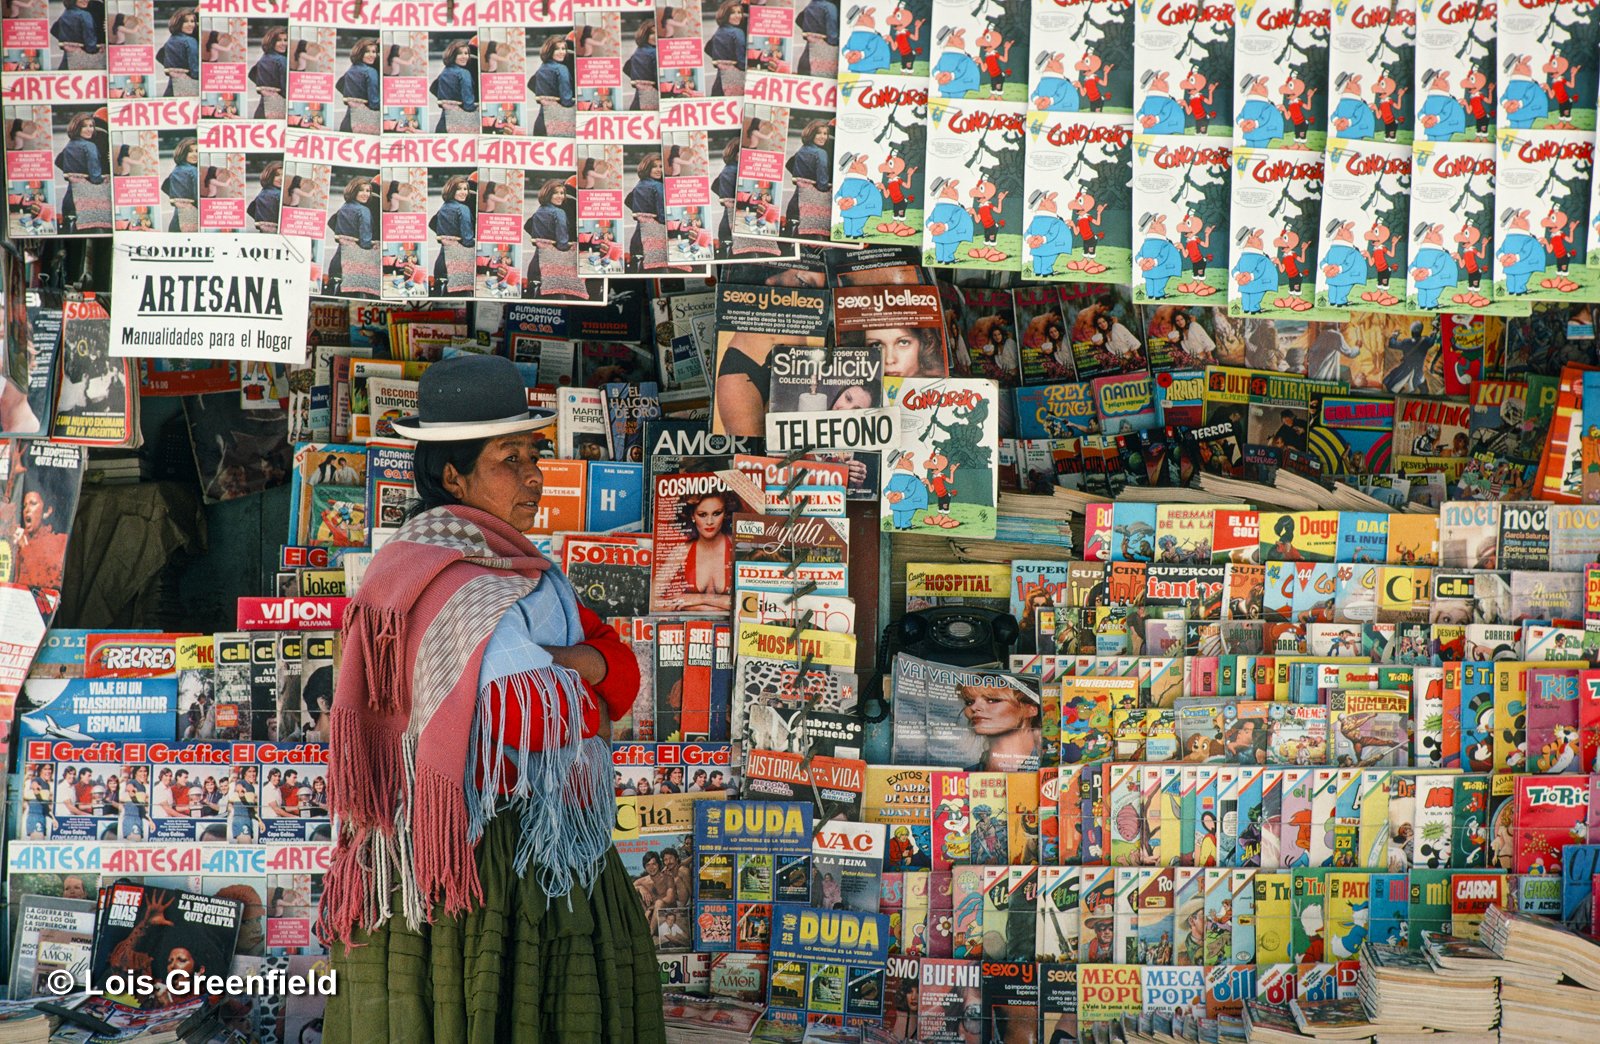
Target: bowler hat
point(470, 397)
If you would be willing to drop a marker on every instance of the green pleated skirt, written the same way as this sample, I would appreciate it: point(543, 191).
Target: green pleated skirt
point(514, 971)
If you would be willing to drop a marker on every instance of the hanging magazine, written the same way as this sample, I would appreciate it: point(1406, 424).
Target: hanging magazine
point(1276, 215)
point(1079, 197)
point(1364, 226)
point(974, 183)
point(943, 477)
point(1181, 230)
point(58, 157)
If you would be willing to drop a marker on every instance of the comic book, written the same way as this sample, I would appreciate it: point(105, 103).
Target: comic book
point(1543, 235)
point(1453, 226)
point(1291, 39)
point(1183, 62)
point(1181, 196)
point(786, 153)
point(1079, 210)
point(1541, 85)
point(1276, 217)
point(879, 157)
point(1370, 62)
point(973, 222)
point(946, 426)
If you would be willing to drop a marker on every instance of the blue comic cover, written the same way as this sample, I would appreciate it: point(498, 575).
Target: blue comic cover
point(827, 966)
point(750, 855)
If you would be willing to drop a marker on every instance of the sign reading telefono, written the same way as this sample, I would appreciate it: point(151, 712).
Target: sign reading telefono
point(217, 297)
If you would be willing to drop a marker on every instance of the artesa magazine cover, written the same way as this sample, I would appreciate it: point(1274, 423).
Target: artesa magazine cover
point(225, 55)
point(1183, 68)
point(1280, 69)
point(622, 214)
point(1181, 197)
point(1370, 61)
point(156, 180)
point(241, 164)
point(331, 197)
point(1540, 179)
point(1365, 224)
point(1079, 197)
point(943, 476)
point(879, 159)
point(974, 184)
point(692, 210)
point(786, 153)
point(57, 154)
point(550, 69)
point(1277, 209)
point(1452, 229)
point(527, 246)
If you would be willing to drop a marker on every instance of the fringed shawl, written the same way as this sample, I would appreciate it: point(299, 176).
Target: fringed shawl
point(404, 742)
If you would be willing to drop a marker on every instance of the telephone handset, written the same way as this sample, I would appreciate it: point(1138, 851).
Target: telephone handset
point(958, 635)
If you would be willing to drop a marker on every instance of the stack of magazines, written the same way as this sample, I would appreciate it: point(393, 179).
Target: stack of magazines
point(701, 1020)
point(1400, 985)
point(1545, 1012)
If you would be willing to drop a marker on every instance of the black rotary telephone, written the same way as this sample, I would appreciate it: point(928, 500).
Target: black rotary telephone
point(958, 635)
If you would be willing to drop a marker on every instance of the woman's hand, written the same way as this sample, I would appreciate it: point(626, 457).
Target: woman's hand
point(584, 659)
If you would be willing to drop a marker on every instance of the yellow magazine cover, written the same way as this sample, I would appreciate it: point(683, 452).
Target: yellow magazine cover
point(1299, 536)
point(1183, 533)
point(1373, 846)
point(1404, 593)
point(1511, 715)
point(1346, 900)
point(1022, 803)
point(945, 582)
point(1413, 539)
point(1274, 916)
point(1106, 992)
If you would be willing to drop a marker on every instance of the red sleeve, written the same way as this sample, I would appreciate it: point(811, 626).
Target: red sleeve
point(620, 687)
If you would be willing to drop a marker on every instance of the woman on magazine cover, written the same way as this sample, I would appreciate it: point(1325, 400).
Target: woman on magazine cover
point(553, 261)
point(263, 210)
point(182, 187)
point(648, 204)
point(641, 69)
point(477, 794)
point(354, 268)
point(726, 49)
point(180, 55)
point(908, 351)
point(744, 382)
point(819, 24)
point(454, 227)
point(79, 37)
point(551, 86)
point(1007, 718)
point(705, 575)
point(456, 89)
point(811, 166)
point(86, 207)
point(363, 113)
point(270, 74)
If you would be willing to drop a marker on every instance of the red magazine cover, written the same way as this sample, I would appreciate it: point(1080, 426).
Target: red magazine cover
point(1550, 812)
point(693, 526)
point(701, 637)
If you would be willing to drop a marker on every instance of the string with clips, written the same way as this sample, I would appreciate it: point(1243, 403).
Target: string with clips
point(804, 660)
